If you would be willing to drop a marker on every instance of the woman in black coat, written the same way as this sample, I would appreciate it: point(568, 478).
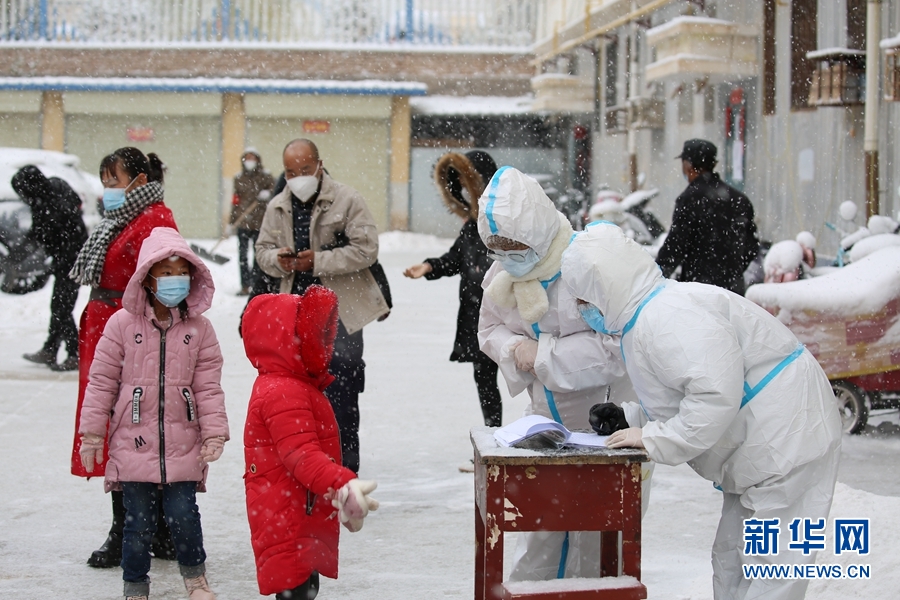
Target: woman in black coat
point(461, 179)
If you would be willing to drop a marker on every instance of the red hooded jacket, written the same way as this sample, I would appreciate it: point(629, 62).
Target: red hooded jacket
point(292, 446)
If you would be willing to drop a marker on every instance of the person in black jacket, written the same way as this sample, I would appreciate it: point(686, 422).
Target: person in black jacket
point(462, 179)
point(56, 224)
point(713, 235)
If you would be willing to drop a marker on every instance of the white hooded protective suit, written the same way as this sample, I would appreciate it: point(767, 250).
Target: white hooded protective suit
point(574, 364)
point(723, 386)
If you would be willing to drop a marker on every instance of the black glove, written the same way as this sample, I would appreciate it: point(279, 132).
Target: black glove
point(607, 418)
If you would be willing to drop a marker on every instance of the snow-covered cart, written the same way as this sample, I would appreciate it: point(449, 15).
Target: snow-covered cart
point(849, 320)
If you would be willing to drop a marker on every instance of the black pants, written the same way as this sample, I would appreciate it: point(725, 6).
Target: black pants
point(246, 238)
point(62, 323)
point(349, 372)
point(488, 392)
point(307, 591)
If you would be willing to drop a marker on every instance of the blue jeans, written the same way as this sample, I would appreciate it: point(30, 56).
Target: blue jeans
point(180, 507)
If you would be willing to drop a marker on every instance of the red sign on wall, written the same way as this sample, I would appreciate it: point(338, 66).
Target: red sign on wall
point(140, 134)
point(316, 126)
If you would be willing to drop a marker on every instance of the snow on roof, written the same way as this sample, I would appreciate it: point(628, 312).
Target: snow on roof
point(861, 288)
point(889, 43)
point(833, 52)
point(471, 105)
point(686, 19)
point(700, 58)
point(368, 87)
point(323, 46)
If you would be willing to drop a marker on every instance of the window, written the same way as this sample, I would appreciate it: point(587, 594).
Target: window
point(685, 105)
point(709, 104)
point(856, 24)
point(612, 73)
point(768, 82)
point(804, 15)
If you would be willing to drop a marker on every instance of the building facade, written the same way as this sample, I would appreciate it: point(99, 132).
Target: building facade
point(199, 80)
point(779, 87)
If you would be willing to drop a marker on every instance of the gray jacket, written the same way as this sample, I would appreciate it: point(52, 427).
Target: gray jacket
point(345, 270)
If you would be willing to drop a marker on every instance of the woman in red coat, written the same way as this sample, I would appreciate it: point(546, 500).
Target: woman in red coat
point(133, 207)
point(292, 447)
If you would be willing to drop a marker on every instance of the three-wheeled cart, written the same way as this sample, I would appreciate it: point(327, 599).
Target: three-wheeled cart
point(849, 319)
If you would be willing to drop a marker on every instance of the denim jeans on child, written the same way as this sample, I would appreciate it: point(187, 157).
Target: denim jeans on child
point(180, 507)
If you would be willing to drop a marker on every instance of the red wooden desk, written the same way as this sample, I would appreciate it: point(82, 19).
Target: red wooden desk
point(596, 489)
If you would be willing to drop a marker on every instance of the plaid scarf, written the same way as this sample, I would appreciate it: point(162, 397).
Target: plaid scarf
point(89, 264)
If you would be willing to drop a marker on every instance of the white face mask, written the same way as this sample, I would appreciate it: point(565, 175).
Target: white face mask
point(250, 164)
point(304, 186)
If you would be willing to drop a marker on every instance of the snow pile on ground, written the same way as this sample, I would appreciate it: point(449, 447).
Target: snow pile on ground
point(404, 241)
point(416, 414)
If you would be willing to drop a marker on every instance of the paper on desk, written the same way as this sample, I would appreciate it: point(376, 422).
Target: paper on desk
point(537, 431)
point(586, 440)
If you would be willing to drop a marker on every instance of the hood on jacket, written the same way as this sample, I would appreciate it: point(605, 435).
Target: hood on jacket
point(515, 206)
point(162, 243)
point(469, 172)
point(286, 333)
point(604, 267)
point(29, 183)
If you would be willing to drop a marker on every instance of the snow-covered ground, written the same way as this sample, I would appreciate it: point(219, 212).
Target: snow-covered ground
point(416, 414)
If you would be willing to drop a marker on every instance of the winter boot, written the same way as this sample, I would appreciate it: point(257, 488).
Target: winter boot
point(70, 364)
point(307, 591)
point(109, 555)
point(137, 591)
point(44, 356)
point(198, 588)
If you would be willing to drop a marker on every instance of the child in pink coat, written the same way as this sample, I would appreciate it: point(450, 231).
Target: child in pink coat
point(155, 384)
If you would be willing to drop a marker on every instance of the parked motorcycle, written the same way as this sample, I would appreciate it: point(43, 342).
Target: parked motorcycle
point(629, 212)
point(24, 265)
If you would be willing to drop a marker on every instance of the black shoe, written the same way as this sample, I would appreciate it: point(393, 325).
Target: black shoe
point(41, 357)
point(108, 555)
point(162, 547)
point(308, 591)
point(70, 364)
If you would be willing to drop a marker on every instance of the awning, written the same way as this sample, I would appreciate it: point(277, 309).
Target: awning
point(370, 87)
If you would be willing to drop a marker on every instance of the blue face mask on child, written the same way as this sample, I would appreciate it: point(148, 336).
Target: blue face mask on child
point(591, 315)
point(172, 289)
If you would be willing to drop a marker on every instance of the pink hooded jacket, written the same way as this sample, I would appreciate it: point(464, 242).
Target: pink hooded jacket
point(158, 411)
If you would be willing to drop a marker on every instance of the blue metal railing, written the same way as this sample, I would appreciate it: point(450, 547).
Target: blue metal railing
point(499, 23)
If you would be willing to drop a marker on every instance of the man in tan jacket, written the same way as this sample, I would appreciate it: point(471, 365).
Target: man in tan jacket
point(319, 231)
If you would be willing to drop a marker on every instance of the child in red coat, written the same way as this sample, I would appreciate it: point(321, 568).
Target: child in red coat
point(293, 477)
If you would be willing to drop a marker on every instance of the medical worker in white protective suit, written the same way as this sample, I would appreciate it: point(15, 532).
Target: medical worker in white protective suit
point(723, 386)
point(530, 326)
